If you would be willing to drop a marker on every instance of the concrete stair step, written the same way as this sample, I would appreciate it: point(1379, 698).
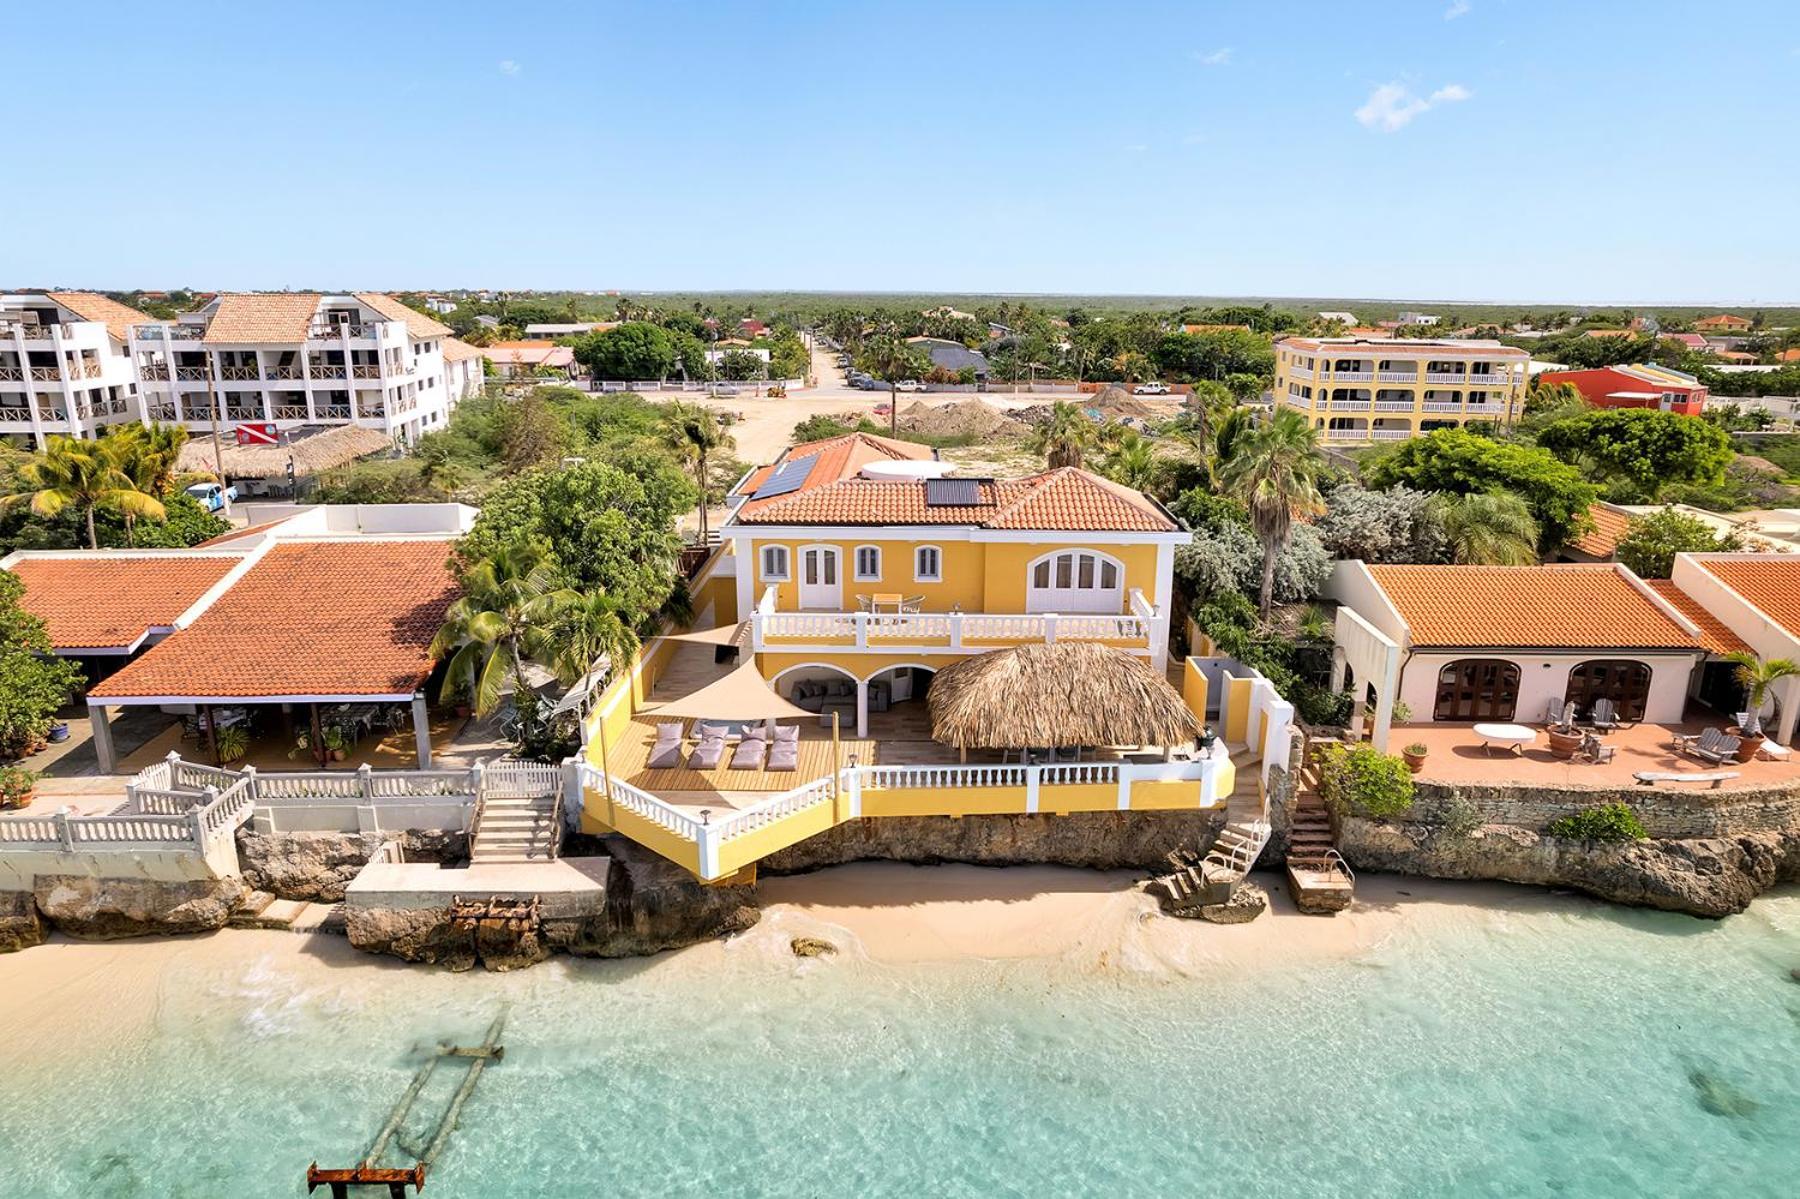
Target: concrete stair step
point(502, 858)
point(249, 909)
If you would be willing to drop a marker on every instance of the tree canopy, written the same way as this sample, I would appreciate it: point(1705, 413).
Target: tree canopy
point(634, 350)
point(33, 684)
point(1461, 463)
point(1639, 451)
point(1651, 542)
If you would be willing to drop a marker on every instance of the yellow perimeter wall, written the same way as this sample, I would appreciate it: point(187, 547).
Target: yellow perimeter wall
point(979, 576)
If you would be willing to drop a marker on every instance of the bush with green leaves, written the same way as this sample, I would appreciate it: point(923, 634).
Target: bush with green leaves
point(1360, 779)
point(33, 684)
point(1612, 822)
point(1651, 542)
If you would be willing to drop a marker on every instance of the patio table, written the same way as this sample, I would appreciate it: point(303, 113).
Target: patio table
point(1517, 736)
point(885, 600)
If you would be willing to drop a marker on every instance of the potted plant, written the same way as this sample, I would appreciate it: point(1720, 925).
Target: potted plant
point(1565, 738)
point(1415, 756)
point(335, 744)
point(59, 732)
point(1757, 676)
point(17, 786)
point(232, 743)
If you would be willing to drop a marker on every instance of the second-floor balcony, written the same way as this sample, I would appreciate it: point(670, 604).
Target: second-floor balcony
point(954, 631)
point(1397, 376)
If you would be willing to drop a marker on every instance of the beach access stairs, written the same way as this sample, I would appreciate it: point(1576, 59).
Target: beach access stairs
point(1318, 878)
point(518, 822)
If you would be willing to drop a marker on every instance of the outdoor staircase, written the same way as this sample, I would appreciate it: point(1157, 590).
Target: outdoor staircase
point(1311, 835)
point(1319, 879)
point(1195, 881)
point(516, 828)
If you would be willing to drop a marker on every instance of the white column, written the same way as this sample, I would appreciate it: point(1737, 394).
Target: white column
point(422, 730)
point(862, 709)
point(103, 742)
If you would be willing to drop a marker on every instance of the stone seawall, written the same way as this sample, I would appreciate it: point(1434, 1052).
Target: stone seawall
point(316, 867)
point(1094, 840)
point(1709, 853)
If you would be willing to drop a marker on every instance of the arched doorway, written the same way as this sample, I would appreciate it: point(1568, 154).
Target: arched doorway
point(1075, 581)
point(897, 701)
point(1626, 683)
point(1477, 689)
point(819, 687)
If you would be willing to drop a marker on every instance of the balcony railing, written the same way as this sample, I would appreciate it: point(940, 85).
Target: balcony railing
point(366, 370)
point(341, 329)
point(191, 374)
point(1393, 405)
point(162, 412)
point(242, 414)
point(1442, 406)
point(1397, 376)
point(1390, 434)
point(168, 332)
point(43, 332)
point(334, 412)
point(155, 371)
point(1301, 372)
point(1445, 377)
point(952, 631)
point(12, 374)
point(246, 374)
point(294, 371)
point(1353, 376)
point(52, 412)
point(290, 412)
point(1351, 405)
point(46, 374)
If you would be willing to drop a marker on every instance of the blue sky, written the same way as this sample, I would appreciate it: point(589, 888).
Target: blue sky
point(1427, 149)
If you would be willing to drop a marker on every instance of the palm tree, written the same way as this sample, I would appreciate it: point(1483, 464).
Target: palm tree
point(1064, 437)
point(80, 475)
point(1274, 471)
point(584, 627)
point(1488, 528)
point(501, 620)
point(1132, 365)
point(1131, 461)
point(891, 359)
point(695, 433)
point(1757, 676)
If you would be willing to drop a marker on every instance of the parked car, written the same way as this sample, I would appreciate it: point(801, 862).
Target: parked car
point(883, 409)
point(909, 385)
point(864, 383)
point(211, 496)
point(1150, 389)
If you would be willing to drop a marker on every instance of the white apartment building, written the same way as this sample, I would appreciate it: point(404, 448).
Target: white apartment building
point(63, 364)
point(303, 358)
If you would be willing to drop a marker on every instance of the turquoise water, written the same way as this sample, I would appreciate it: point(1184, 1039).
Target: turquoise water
point(1556, 1047)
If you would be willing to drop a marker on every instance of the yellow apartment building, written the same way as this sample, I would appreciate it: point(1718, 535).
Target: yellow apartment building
point(1359, 390)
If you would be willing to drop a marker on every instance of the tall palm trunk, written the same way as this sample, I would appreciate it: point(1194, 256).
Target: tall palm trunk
point(93, 537)
point(1266, 597)
point(700, 467)
point(893, 409)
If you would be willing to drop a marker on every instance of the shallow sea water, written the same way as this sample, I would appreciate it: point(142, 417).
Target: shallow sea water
point(1560, 1048)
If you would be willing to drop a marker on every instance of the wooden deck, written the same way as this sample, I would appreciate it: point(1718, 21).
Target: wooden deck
point(628, 761)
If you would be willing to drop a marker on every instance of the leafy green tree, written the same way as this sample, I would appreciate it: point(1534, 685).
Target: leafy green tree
point(499, 622)
point(1274, 473)
point(1131, 460)
point(1460, 462)
point(1641, 450)
point(1397, 526)
point(634, 350)
point(1651, 542)
point(185, 523)
point(698, 438)
point(1064, 439)
point(80, 475)
point(740, 364)
point(1487, 528)
point(33, 683)
point(532, 433)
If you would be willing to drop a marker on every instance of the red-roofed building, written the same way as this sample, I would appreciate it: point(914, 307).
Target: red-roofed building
point(1641, 386)
point(1724, 322)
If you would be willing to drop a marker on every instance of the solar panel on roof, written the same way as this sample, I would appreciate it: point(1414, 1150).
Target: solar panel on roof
point(952, 493)
point(787, 479)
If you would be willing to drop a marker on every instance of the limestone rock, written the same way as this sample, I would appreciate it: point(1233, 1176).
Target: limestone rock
point(318, 866)
point(20, 925)
point(812, 947)
point(653, 905)
point(108, 908)
point(1247, 902)
point(416, 935)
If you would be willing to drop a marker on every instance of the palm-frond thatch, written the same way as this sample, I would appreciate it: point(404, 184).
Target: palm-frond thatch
point(312, 449)
point(1071, 693)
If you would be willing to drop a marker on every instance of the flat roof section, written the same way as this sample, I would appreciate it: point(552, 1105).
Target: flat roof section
point(311, 621)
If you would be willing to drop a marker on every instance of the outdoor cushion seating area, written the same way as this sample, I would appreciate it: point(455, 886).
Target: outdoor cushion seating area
point(821, 695)
point(754, 749)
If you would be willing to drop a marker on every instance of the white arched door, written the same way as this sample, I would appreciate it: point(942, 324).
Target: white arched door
point(821, 587)
point(1075, 581)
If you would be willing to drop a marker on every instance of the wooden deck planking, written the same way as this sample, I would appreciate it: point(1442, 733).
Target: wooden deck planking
point(628, 761)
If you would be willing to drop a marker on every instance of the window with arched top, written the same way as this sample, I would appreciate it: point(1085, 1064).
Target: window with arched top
point(868, 564)
point(928, 564)
point(1477, 689)
point(1625, 682)
point(1075, 581)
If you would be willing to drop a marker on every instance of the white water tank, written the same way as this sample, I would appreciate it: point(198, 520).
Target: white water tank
point(904, 471)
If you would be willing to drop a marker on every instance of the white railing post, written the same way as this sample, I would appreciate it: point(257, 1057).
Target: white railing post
point(197, 816)
point(1049, 628)
point(855, 790)
point(861, 620)
point(59, 819)
point(956, 631)
point(250, 783)
point(1032, 782)
point(1124, 788)
point(707, 841)
point(573, 802)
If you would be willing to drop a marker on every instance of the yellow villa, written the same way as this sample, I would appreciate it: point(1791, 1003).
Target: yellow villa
point(852, 572)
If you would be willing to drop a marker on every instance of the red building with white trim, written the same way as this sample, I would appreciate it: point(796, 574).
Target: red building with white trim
point(1642, 386)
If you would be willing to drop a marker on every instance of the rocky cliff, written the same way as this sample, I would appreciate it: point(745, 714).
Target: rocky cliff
point(317, 867)
point(106, 908)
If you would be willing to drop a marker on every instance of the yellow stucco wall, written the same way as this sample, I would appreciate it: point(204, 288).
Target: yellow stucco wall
point(858, 666)
point(1237, 717)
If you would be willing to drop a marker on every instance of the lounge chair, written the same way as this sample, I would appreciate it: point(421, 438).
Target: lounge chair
point(711, 750)
point(665, 753)
point(785, 754)
point(1605, 715)
point(750, 751)
point(1714, 746)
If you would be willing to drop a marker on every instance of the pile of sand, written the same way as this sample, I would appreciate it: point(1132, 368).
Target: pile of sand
point(961, 418)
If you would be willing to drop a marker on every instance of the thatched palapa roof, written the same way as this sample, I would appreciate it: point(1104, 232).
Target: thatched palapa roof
point(1070, 693)
point(313, 448)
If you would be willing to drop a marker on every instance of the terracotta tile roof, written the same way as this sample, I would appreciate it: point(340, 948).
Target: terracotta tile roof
point(456, 350)
point(1063, 500)
point(1769, 583)
point(117, 317)
point(420, 326)
point(278, 318)
point(1610, 526)
point(1563, 607)
point(1713, 634)
point(310, 618)
point(105, 602)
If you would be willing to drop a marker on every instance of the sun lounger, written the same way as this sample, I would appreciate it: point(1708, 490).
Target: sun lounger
point(711, 750)
point(785, 755)
point(750, 751)
point(665, 754)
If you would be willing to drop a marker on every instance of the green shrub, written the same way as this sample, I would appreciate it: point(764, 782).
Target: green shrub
point(1363, 780)
point(16, 783)
point(1604, 822)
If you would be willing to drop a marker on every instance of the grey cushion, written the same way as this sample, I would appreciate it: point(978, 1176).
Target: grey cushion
point(749, 754)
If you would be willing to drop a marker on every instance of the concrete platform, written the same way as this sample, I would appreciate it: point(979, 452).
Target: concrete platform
point(565, 887)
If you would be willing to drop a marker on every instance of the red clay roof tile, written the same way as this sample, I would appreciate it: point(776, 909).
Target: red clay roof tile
point(1713, 634)
point(1562, 607)
point(111, 602)
point(1770, 583)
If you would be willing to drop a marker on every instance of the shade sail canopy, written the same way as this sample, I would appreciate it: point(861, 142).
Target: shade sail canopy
point(740, 695)
point(1070, 693)
point(725, 634)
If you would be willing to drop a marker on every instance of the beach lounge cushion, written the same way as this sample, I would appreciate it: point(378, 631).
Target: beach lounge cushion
point(784, 756)
point(787, 734)
point(666, 753)
point(749, 754)
point(708, 754)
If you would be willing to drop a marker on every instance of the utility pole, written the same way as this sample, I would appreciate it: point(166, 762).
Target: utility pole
point(212, 403)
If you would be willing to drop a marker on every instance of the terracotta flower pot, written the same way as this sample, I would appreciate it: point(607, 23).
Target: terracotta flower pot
point(1563, 745)
point(1414, 762)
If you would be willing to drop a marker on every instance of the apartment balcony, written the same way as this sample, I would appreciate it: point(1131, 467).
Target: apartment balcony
point(42, 332)
point(1393, 405)
point(190, 374)
point(1301, 372)
point(240, 374)
point(1441, 406)
point(168, 332)
point(1293, 401)
point(243, 414)
point(333, 412)
point(337, 330)
point(289, 373)
point(1350, 405)
point(951, 632)
point(1389, 434)
point(366, 370)
point(156, 373)
point(1453, 377)
point(290, 412)
point(163, 412)
point(46, 374)
point(1352, 376)
point(53, 412)
point(371, 410)
point(12, 374)
point(14, 414)
point(1397, 376)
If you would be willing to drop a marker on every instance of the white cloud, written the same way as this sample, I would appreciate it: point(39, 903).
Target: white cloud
point(1218, 58)
point(1393, 106)
point(509, 67)
point(1457, 9)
